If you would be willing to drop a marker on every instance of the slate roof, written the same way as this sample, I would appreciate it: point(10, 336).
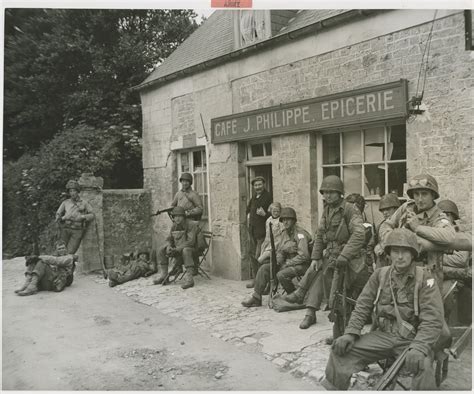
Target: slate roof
point(214, 38)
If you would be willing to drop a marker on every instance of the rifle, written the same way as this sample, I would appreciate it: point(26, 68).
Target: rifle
point(159, 212)
point(175, 271)
point(392, 372)
point(338, 302)
point(461, 343)
point(273, 259)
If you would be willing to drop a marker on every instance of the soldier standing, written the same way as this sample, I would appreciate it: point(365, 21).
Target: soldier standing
point(188, 199)
point(338, 244)
point(388, 204)
point(292, 255)
point(408, 312)
point(72, 216)
point(257, 214)
point(50, 273)
point(182, 245)
point(425, 219)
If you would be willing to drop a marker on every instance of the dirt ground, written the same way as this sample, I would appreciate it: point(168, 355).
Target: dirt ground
point(92, 338)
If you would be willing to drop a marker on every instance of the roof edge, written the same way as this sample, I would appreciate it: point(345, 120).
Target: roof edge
point(275, 40)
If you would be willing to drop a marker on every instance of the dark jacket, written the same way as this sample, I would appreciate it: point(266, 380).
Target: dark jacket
point(183, 235)
point(257, 222)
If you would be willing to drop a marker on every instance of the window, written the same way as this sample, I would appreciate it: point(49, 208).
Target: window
point(252, 26)
point(371, 161)
point(258, 150)
point(194, 162)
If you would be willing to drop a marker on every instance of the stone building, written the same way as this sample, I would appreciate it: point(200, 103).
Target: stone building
point(296, 95)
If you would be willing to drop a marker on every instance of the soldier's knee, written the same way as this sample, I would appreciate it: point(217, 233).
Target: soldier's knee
point(282, 275)
point(188, 252)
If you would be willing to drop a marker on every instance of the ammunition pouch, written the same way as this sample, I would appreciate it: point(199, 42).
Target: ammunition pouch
point(405, 330)
point(72, 224)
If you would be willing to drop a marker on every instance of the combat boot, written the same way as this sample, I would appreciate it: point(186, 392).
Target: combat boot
point(188, 279)
point(32, 287)
point(162, 275)
point(252, 302)
point(25, 285)
point(294, 298)
point(308, 321)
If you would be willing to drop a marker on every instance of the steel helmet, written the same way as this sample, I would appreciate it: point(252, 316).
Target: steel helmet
point(73, 185)
point(178, 211)
point(404, 238)
point(448, 206)
point(389, 200)
point(332, 183)
point(287, 213)
point(357, 199)
point(423, 181)
point(145, 252)
point(186, 176)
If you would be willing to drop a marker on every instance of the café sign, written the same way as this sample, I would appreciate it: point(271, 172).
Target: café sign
point(377, 103)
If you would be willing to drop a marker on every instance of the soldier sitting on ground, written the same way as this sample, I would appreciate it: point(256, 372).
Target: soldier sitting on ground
point(408, 312)
point(292, 255)
point(182, 246)
point(132, 268)
point(48, 272)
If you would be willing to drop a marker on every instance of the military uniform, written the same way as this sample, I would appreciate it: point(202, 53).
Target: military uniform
point(340, 233)
point(133, 270)
point(292, 256)
point(72, 216)
point(426, 318)
point(49, 273)
point(191, 201)
point(434, 226)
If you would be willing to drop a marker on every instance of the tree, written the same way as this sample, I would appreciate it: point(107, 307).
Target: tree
point(68, 104)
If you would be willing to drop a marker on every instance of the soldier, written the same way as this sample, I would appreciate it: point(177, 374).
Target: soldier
point(72, 216)
point(408, 312)
point(292, 256)
point(337, 245)
point(182, 245)
point(50, 273)
point(188, 198)
point(131, 269)
point(425, 219)
point(456, 264)
point(257, 214)
point(388, 204)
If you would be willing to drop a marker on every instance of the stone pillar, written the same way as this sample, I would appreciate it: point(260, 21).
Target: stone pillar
point(91, 250)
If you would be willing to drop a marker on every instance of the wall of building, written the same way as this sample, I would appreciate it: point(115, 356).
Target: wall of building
point(370, 52)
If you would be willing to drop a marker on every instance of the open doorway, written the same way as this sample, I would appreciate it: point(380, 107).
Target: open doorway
point(263, 170)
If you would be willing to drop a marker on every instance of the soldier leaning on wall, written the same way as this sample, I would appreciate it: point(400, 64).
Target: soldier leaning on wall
point(72, 217)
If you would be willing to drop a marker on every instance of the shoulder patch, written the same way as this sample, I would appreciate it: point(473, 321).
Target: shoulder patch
point(301, 236)
point(430, 282)
point(445, 222)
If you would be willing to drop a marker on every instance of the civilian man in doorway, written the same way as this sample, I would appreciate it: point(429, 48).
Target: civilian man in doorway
point(257, 214)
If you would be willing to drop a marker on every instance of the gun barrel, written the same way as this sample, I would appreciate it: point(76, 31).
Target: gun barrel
point(461, 343)
point(392, 372)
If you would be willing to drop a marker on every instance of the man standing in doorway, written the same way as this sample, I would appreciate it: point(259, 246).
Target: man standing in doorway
point(188, 199)
point(72, 216)
point(257, 214)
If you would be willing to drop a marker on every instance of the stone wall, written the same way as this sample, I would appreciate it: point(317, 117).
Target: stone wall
point(439, 141)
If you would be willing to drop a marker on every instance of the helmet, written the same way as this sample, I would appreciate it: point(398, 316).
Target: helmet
point(423, 181)
point(287, 213)
point(448, 206)
point(402, 237)
point(186, 176)
point(258, 178)
point(145, 252)
point(332, 183)
point(178, 211)
point(357, 199)
point(389, 200)
point(73, 185)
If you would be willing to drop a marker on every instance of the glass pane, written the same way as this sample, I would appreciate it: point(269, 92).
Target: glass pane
point(257, 150)
point(268, 148)
point(374, 144)
point(352, 179)
point(198, 183)
point(204, 159)
point(374, 182)
point(331, 154)
point(197, 161)
point(184, 162)
point(351, 147)
point(397, 176)
point(204, 181)
point(331, 171)
point(397, 143)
